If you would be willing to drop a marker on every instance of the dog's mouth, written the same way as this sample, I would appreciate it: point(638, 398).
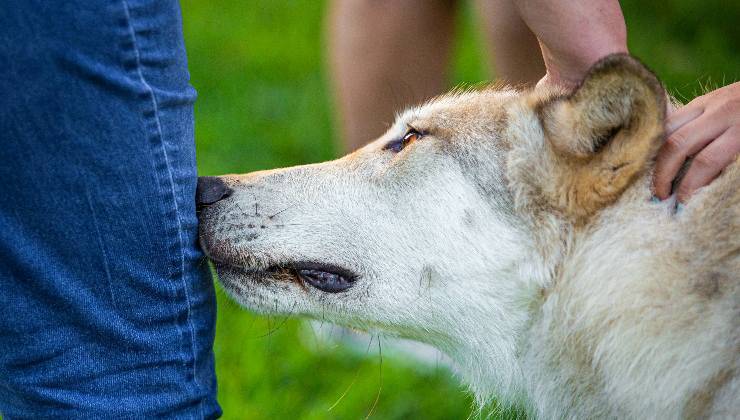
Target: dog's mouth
point(325, 277)
point(328, 278)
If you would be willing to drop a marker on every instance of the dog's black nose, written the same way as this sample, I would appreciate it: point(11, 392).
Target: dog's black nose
point(210, 190)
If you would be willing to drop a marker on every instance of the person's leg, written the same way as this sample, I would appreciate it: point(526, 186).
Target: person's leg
point(385, 55)
point(514, 52)
point(107, 305)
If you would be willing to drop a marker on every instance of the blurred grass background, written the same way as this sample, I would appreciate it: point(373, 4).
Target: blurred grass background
point(259, 68)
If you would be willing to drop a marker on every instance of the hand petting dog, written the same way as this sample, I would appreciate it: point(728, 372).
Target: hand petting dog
point(574, 35)
point(707, 129)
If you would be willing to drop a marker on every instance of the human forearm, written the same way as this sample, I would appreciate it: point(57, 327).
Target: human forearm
point(573, 34)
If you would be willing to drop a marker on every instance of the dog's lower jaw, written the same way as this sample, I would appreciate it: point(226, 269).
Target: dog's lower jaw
point(490, 374)
point(489, 359)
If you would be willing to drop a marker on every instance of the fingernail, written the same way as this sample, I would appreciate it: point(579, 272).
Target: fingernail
point(655, 199)
point(679, 208)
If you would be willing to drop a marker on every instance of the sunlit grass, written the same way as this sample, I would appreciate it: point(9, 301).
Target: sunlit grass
point(263, 102)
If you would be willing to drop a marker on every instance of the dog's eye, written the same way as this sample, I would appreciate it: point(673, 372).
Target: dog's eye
point(399, 144)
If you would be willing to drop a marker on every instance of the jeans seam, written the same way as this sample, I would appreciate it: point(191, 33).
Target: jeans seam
point(150, 93)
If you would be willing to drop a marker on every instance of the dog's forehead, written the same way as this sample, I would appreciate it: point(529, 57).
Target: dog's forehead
point(459, 110)
point(470, 127)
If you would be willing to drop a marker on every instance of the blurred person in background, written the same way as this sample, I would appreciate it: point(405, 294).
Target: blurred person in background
point(387, 54)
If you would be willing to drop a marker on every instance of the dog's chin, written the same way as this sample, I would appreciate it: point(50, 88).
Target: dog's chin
point(257, 291)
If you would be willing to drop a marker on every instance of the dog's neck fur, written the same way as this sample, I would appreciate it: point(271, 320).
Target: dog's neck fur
point(600, 284)
point(521, 364)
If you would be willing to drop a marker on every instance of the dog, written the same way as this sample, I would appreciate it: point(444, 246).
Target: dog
point(515, 231)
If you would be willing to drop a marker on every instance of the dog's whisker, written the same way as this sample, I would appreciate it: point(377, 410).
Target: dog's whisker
point(282, 322)
point(244, 213)
point(354, 379)
point(281, 211)
point(268, 336)
point(380, 380)
point(318, 344)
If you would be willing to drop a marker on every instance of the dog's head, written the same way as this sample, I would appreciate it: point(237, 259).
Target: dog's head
point(430, 231)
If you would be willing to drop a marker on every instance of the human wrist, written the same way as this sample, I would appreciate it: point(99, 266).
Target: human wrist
point(567, 68)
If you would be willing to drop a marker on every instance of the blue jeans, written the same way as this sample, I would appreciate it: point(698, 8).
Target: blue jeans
point(107, 306)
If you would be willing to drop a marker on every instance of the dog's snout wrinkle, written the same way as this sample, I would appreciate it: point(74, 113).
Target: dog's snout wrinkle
point(210, 190)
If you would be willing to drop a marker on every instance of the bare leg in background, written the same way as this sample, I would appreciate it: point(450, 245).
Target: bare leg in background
point(515, 55)
point(387, 54)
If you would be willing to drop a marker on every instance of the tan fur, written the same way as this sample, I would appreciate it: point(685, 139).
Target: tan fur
point(603, 135)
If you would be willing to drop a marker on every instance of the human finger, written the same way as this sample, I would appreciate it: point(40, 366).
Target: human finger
point(681, 116)
point(708, 163)
point(682, 143)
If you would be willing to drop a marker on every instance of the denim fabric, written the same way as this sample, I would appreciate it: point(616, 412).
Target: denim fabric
point(106, 304)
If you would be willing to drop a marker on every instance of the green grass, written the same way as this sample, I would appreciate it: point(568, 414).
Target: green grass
point(259, 69)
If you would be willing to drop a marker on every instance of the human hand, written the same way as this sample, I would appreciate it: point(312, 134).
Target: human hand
point(573, 35)
point(708, 129)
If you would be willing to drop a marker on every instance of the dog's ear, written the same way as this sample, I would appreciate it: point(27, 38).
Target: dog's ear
point(603, 135)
